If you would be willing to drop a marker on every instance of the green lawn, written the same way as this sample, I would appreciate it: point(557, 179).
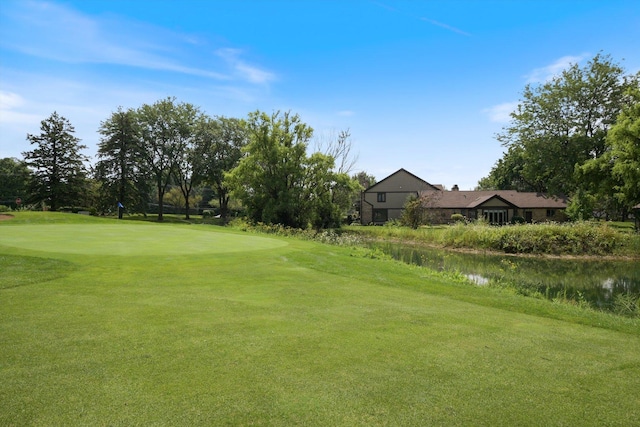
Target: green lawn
point(125, 323)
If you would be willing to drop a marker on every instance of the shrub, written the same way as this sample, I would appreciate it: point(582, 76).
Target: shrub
point(330, 236)
point(550, 238)
point(579, 238)
point(414, 213)
point(4, 208)
point(627, 305)
point(393, 223)
point(517, 220)
point(73, 209)
point(457, 218)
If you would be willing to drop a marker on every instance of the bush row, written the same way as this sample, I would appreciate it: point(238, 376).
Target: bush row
point(334, 237)
point(577, 238)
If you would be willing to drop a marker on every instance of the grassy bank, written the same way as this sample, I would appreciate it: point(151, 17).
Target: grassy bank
point(581, 238)
point(125, 323)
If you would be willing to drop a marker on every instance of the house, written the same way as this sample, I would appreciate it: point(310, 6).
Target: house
point(497, 206)
point(384, 201)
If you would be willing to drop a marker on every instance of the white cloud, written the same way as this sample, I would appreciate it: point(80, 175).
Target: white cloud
point(544, 74)
point(9, 100)
point(11, 111)
point(254, 74)
point(346, 113)
point(59, 33)
point(501, 113)
point(248, 72)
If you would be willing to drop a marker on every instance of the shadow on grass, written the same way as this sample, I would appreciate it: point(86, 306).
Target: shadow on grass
point(174, 219)
point(16, 270)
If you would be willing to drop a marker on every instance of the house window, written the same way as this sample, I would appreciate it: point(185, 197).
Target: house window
point(496, 216)
point(382, 197)
point(380, 215)
point(551, 212)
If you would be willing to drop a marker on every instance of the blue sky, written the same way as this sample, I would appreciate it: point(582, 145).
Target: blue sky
point(422, 85)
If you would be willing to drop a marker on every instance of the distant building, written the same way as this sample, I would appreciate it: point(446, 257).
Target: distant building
point(385, 200)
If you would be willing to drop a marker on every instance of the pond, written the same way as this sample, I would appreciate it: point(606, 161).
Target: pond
point(597, 282)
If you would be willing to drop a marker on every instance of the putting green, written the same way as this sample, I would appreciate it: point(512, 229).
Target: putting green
point(129, 239)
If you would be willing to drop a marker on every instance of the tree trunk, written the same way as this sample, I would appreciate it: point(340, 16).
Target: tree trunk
point(160, 204)
point(223, 200)
point(186, 206)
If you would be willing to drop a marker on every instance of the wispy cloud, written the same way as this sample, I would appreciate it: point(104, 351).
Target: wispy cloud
point(346, 113)
point(423, 19)
point(59, 33)
point(546, 73)
point(251, 73)
point(384, 6)
point(11, 109)
point(501, 113)
point(9, 100)
point(445, 26)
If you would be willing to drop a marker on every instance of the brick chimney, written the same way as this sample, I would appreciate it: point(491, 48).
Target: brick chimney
point(455, 187)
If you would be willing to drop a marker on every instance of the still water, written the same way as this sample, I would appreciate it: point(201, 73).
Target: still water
point(594, 281)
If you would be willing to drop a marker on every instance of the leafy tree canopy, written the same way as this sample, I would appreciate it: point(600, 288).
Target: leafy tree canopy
point(225, 139)
point(279, 184)
point(624, 143)
point(559, 125)
point(14, 179)
point(167, 129)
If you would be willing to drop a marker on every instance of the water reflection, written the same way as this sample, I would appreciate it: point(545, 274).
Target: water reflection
point(477, 279)
point(597, 282)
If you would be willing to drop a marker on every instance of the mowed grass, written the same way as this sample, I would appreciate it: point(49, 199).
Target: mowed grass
point(199, 325)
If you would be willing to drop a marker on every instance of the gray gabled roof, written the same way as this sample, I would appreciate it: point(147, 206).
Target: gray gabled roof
point(402, 170)
point(485, 198)
point(473, 199)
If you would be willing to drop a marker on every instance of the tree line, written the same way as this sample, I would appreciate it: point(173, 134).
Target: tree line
point(149, 153)
point(576, 135)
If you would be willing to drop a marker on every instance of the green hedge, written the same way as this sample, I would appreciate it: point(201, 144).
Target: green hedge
point(572, 238)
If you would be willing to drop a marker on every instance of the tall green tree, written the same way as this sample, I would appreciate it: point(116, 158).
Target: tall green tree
point(344, 190)
point(121, 171)
point(560, 125)
point(175, 198)
point(329, 192)
point(624, 142)
point(610, 181)
point(166, 127)
point(364, 179)
point(269, 179)
point(278, 183)
point(190, 169)
point(226, 138)
point(59, 171)
point(14, 181)
point(507, 173)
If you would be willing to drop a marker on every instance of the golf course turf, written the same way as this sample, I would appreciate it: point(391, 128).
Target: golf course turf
point(106, 322)
point(130, 239)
